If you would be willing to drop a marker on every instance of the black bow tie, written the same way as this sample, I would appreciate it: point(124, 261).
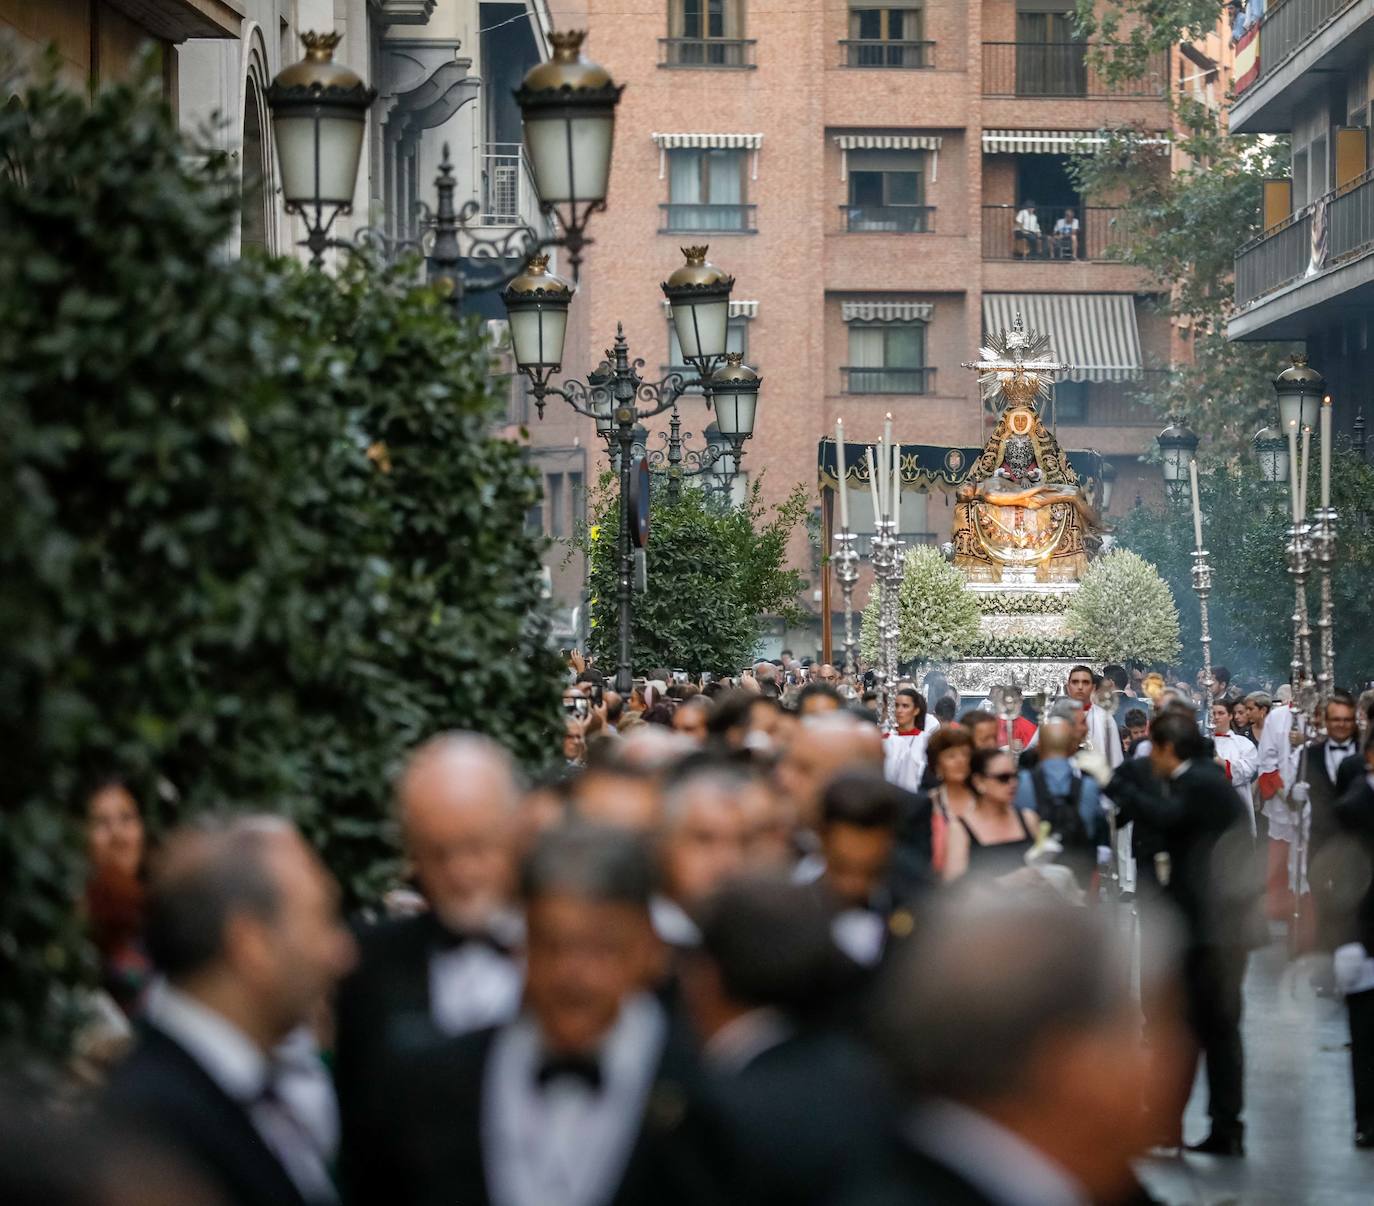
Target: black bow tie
point(1347, 747)
point(451, 940)
point(584, 1068)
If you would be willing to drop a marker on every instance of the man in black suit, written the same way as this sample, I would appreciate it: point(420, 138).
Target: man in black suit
point(1322, 773)
point(453, 967)
point(1011, 1021)
point(805, 1103)
point(243, 923)
point(587, 1097)
point(1209, 876)
point(1353, 863)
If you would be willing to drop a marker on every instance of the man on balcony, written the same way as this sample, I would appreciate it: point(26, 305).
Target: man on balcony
point(1026, 234)
point(1066, 236)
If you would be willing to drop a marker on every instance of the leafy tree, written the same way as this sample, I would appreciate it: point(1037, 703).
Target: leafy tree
point(716, 572)
point(1185, 227)
point(937, 614)
point(1123, 584)
point(1245, 526)
point(256, 538)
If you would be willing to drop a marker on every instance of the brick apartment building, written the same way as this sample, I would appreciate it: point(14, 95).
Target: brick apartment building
point(858, 170)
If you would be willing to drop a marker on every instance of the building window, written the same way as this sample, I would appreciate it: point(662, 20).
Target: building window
point(554, 501)
point(577, 497)
point(707, 191)
point(736, 340)
point(706, 33)
point(887, 37)
point(887, 192)
point(887, 358)
point(1050, 58)
point(1070, 404)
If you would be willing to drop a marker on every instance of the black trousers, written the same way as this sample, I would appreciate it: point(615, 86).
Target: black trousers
point(1212, 980)
point(1361, 1008)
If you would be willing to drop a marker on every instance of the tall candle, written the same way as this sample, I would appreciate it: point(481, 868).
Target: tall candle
point(896, 501)
point(876, 484)
point(840, 474)
point(1306, 457)
point(1197, 505)
point(1326, 451)
point(1293, 468)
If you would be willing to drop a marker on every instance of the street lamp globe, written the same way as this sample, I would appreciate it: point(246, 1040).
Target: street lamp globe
point(568, 105)
point(601, 399)
point(1177, 446)
point(537, 302)
point(735, 395)
point(319, 115)
point(1271, 450)
point(699, 294)
point(1299, 388)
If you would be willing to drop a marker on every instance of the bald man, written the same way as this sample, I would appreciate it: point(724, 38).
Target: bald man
point(825, 746)
point(452, 968)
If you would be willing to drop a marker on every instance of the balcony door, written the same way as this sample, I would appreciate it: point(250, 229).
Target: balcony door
point(706, 32)
point(1051, 60)
point(887, 191)
point(706, 189)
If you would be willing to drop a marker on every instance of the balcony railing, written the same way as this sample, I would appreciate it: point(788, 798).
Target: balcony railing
point(508, 193)
point(888, 219)
point(707, 52)
point(883, 52)
point(1291, 249)
point(1062, 69)
point(1288, 25)
point(1099, 232)
point(889, 380)
point(676, 218)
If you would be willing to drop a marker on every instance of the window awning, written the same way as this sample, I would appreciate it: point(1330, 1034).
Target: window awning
point(1055, 142)
point(889, 142)
point(716, 142)
point(886, 311)
point(738, 309)
point(1096, 333)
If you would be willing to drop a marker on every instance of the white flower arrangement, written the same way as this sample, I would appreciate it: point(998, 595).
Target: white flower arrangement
point(1123, 611)
point(937, 613)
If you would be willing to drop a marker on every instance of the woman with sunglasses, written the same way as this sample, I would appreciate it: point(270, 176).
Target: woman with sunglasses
point(992, 838)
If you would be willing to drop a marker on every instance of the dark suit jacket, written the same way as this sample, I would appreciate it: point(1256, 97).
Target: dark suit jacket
point(915, 1179)
point(1331, 914)
point(1191, 815)
point(161, 1093)
point(425, 1146)
point(1355, 818)
point(807, 1117)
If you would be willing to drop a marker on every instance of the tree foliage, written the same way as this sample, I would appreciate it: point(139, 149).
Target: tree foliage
point(716, 573)
point(255, 536)
point(1245, 522)
point(937, 614)
point(1123, 611)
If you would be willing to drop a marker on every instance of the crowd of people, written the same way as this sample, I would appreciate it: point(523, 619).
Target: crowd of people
point(743, 946)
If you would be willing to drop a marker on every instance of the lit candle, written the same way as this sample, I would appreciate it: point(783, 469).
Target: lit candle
point(840, 474)
point(1326, 451)
point(1302, 490)
point(1293, 467)
point(1197, 505)
point(896, 502)
point(875, 482)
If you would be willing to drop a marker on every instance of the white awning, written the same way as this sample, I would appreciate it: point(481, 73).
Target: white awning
point(889, 142)
point(738, 309)
point(721, 142)
point(1055, 142)
point(886, 311)
point(1094, 332)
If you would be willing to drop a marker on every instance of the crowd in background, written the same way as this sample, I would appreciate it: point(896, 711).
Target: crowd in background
point(741, 946)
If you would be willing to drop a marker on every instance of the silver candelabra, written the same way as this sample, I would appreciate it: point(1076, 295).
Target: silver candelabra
point(847, 571)
point(1202, 586)
point(887, 569)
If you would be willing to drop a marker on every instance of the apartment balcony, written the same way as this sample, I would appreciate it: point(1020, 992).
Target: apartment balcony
point(1097, 237)
point(1063, 70)
point(885, 53)
point(910, 381)
point(675, 218)
point(509, 197)
point(888, 219)
point(1301, 45)
point(737, 53)
point(1299, 275)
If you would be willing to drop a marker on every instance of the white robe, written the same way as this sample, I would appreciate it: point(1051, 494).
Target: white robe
point(1242, 759)
point(1276, 753)
point(904, 759)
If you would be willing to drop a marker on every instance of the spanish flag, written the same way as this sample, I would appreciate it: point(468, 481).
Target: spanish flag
point(1247, 59)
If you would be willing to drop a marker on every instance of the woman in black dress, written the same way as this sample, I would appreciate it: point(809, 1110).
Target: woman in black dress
point(992, 838)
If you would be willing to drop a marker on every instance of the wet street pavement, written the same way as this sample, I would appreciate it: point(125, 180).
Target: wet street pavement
point(1299, 1118)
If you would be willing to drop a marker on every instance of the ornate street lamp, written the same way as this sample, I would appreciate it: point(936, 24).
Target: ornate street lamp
point(699, 294)
point(1177, 446)
point(568, 105)
point(734, 392)
point(1299, 388)
point(319, 116)
point(537, 302)
point(1271, 451)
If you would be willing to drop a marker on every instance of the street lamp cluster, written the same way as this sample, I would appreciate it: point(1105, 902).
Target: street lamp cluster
point(319, 112)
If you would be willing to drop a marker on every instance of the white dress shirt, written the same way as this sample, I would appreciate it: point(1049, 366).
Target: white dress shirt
point(1336, 754)
point(240, 1068)
point(565, 1142)
point(473, 986)
point(995, 1161)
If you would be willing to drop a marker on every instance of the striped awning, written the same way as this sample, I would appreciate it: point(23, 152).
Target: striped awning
point(888, 142)
point(1055, 142)
point(1094, 332)
point(738, 308)
point(886, 311)
point(742, 142)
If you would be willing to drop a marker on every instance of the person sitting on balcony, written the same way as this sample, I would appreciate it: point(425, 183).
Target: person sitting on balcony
point(1066, 246)
point(1026, 235)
